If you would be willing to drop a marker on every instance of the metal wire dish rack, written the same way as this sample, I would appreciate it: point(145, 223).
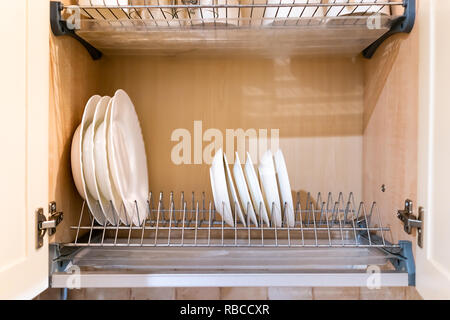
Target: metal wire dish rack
point(267, 27)
point(232, 13)
point(334, 242)
point(331, 223)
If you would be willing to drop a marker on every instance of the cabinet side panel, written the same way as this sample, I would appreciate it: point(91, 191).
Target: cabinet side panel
point(74, 78)
point(390, 128)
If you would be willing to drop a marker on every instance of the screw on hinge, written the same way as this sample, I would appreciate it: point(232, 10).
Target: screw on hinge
point(410, 221)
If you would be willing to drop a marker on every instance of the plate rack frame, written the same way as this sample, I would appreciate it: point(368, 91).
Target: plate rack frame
point(401, 24)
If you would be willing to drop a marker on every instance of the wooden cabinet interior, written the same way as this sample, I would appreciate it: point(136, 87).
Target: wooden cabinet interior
point(390, 128)
point(346, 124)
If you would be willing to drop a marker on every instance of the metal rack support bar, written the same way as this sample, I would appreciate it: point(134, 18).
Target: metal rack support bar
point(304, 279)
point(407, 264)
point(60, 28)
point(403, 24)
point(404, 260)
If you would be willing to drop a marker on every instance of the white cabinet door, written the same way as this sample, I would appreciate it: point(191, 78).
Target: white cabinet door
point(24, 83)
point(433, 261)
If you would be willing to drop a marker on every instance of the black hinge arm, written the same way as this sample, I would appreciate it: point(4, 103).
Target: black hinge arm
point(403, 24)
point(60, 28)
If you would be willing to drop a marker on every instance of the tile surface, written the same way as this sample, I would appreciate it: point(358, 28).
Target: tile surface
point(197, 293)
point(412, 294)
point(99, 294)
point(243, 293)
point(152, 293)
point(49, 294)
point(343, 293)
point(289, 293)
point(272, 293)
point(382, 294)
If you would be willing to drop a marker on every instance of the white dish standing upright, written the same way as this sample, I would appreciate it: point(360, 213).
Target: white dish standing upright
point(75, 161)
point(287, 203)
point(161, 17)
point(348, 9)
point(88, 116)
point(220, 189)
point(215, 16)
point(290, 15)
point(127, 158)
point(269, 185)
point(255, 190)
point(236, 204)
point(102, 170)
point(244, 196)
point(99, 117)
point(101, 14)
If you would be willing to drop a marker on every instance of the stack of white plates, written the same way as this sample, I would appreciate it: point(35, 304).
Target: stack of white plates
point(336, 11)
point(109, 164)
point(267, 200)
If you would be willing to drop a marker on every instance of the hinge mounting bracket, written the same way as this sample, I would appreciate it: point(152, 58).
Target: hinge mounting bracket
point(42, 224)
point(60, 28)
point(411, 222)
point(403, 24)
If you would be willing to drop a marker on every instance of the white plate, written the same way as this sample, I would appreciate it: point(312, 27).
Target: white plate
point(255, 190)
point(127, 158)
point(88, 148)
point(270, 188)
point(235, 204)
point(214, 193)
point(102, 171)
point(215, 16)
point(75, 156)
point(88, 170)
point(160, 17)
point(220, 190)
point(88, 116)
point(104, 13)
point(360, 10)
point(241, 186)
point(290, 15)
point(89, 140)
point(285, 188)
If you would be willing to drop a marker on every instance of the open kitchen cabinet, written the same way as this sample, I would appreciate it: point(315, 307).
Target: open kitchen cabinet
point(346, 124)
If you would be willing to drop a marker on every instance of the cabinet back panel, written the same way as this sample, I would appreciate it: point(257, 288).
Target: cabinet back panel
point(315, 103)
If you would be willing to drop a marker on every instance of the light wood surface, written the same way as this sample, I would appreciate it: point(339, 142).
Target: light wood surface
point(433, 258)
point(315, 103)
point(74, 78)
point(390, 128)
point(268, 42)
point(214, 293)
point(188, 35)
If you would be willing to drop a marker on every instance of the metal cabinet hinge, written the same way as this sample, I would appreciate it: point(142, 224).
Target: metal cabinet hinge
point(54, 219)
point(411, 222)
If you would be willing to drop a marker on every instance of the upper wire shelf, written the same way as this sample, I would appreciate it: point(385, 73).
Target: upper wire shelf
point(234, 13)
point(267, 27)
point(330, 223)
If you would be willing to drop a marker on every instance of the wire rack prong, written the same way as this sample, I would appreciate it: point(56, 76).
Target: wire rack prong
point(198, 224)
